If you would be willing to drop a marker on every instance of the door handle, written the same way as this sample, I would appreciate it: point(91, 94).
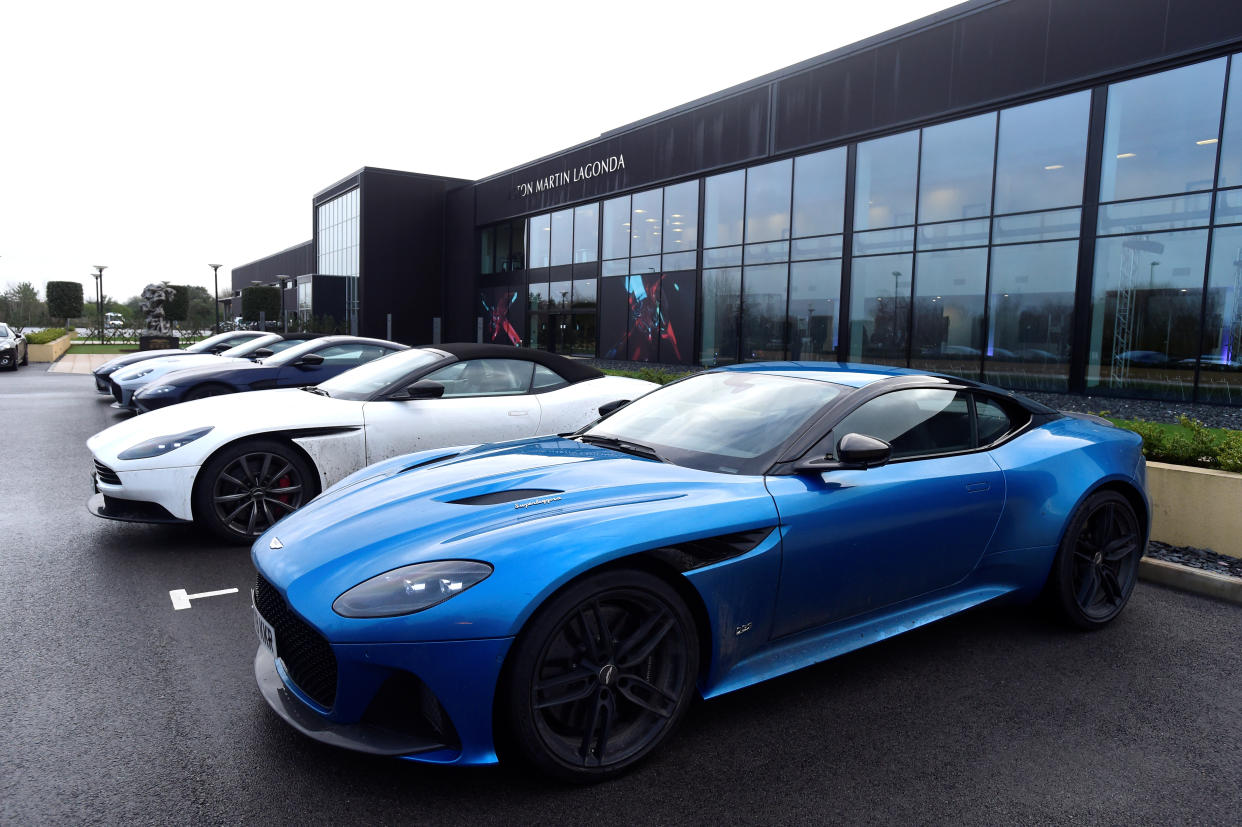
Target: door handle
point(517, 413)
point(975, 487)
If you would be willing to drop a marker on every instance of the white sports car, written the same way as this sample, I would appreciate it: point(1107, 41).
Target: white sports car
point(238, 463)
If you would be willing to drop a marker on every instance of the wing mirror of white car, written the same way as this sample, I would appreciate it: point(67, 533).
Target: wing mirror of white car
point(615, 405)
point(263, 353)
point(422, 389)
point(306, 360)
point(854, 451)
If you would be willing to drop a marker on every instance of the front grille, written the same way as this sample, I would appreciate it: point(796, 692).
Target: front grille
point(307, 656)
point(116, 391)
point(106, 474)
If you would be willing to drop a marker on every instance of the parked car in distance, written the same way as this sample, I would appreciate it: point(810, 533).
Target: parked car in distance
point(564, 599)
point(14, 349)
point(235, 464)
point(114, 320)
point(125, 383)
point(212, 344)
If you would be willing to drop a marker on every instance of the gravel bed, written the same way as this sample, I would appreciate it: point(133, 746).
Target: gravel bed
point(1196, 558)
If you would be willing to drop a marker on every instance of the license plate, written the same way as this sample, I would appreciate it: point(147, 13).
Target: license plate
point(267, 635)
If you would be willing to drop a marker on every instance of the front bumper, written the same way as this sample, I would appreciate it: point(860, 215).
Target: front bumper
point(146, 404)
point(167, 489)
point(102, 384)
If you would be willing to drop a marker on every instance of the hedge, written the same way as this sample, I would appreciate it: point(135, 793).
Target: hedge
point(45, 336)
point(1190, 442)
point(657, 375)
point(64, 299)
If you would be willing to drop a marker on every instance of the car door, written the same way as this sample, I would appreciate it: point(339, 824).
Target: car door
point(485, 400)
point(336, 360)
point(860, 540)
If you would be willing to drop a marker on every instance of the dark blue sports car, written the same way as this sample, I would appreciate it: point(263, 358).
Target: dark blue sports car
point(563, 599)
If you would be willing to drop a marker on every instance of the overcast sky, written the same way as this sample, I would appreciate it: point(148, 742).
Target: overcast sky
point(157, 137)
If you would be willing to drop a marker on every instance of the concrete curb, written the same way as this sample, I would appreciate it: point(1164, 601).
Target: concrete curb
point(1206, 583)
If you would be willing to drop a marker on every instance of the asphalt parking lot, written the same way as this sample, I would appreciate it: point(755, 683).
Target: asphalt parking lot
point(119, 709)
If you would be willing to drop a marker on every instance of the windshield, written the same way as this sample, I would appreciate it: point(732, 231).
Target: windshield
point(728, 422)
point(209, 342)
point(4, 331)
point(363, 381)
point(287, 356)
point(249, 346)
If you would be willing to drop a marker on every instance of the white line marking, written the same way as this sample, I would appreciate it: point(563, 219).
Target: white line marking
point(181, 600)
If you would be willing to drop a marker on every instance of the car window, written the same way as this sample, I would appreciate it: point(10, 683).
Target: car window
point(350, 354)
point(916, 422)
point(283, 344)
point(994, 423)
point(4, 331)
point(484, 377)
point(546, 379)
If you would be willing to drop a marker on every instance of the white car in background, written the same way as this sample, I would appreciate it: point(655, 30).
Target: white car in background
point(238, 463)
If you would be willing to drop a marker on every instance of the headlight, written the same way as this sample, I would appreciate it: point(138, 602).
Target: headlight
point(410, 589)
point(162, 444)
point(155, 390)
point(129, 377)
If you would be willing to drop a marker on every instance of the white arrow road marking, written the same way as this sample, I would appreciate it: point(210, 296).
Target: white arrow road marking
point(181, 600)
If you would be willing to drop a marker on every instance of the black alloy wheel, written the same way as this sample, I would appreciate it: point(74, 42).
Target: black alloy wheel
point(246, 488)
point(7, 361)
point(1097, 565)
point(204, 391)
point(602, 675)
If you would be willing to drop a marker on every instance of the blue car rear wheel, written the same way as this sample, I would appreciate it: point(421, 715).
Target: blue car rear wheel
point(1097, 565)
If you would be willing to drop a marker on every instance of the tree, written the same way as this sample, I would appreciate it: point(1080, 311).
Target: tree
point(22, 307)
point(202, 313)
point(260, 299)
point(64, 300)
point(178, 309)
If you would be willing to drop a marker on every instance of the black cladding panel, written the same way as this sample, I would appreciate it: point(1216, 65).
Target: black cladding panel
point(835, 99)
point(1195, 23)
point(1000, 53)
point(914, 75)
point(1087, 38)
point(295, 261)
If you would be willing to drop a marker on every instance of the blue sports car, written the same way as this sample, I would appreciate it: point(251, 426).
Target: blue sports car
point(561, 600)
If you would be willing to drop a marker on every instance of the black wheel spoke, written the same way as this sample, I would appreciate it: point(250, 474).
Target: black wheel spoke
point(231, 480)
point(245, 469)
point(254, 513)
point(267, 512)
point(1120, 549)
point(262, 477)
point(565, 689)
point(238, 510)
point(232, 498)
point(281, 503)
point(1087, 588)
point(644, 640)
point(649, 697)
point(1111, 586)
point(594, 647)
point(288, 489)
point(273, 478)
point(595, 734)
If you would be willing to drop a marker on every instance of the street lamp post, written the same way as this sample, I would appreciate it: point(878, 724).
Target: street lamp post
point(215, 296)
point(99, 293)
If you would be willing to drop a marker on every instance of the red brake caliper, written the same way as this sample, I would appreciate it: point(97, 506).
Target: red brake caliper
point(283, 482)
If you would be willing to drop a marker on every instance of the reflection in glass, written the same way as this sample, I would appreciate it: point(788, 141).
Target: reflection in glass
point(558, 295)
point(819, 193)
point(1220, 364)
point(517, 245)
point(874, 242)
point(617, 228)
point(646, 221)
point(767, 201)
point(537, 296)
point(814, 307)
point(884, 182)
point(722, 209)
point(1042, 154)
point(1145, 314)
point(722, 257)
point(720, 300)
point(1153, 214)
point(763, 312)
point(955, 175)
point(562, 237)
point(1160, 133)
point(825, 246)
point(584, 294)
point(1229, 206)
point(619, 267)
point(646, 264)
point(540, 243)
point(679, 261)
point(1031, 315)
point(880, 308)
point(770, 252)
point(953, 234)
point(586, 233)
point(948, 311)
point(1037, 226)
point(681, 217)
point(1231, 144)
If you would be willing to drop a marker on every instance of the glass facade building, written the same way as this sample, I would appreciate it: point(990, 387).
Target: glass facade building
point(337, 244)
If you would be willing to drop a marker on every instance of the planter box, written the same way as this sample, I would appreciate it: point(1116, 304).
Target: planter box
point(1198, 507)
point(53, 350)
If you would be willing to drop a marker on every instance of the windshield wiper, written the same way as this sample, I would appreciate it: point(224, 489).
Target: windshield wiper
point(622, 445)
point(313, 389)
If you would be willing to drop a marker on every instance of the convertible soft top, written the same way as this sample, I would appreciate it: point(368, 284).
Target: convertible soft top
point(571, 370)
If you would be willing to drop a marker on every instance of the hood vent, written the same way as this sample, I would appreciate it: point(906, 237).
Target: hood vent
point(498, 497)
point(427, 462)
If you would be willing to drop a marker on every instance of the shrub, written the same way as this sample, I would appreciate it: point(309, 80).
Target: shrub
point(178, 309)
point(64, 300)
point(1229, 454)
point(657, 375)
point(1190, 442)
point(261, 299)
point(45, 336)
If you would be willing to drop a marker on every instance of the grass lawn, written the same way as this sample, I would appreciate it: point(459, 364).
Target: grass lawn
point(76, 348)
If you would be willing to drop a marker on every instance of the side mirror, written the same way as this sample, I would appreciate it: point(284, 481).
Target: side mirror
point(306, 360)
point(855, 451)
point(609, 407)
point(423, 389)
point(218, 349)
point(263, 353)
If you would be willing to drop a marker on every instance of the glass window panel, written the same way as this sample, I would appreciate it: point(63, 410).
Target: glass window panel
point(955, 176)
point(916, 422)
point(681, 217)
point(720, 304)
point(517, 245)
point(764, 299)
point(584, 296)
point(486, 248)
point(819, 193)
point(540, 244)
point(948, 311)
point(617, 228)
point(679, 261)
point(1145, 314)
point(1042, 154)
point(646, 222)
point(1155, 214)
point(1231, 147)
point(562, 237)
point(1156, 129)
point(885, 180)
point(953, 234)
point(1229, 206)
point(1032, 314)
point(814, 307)
point(880, 308)
point(722, 257)
point(772, 251)
point(1220, 364)
point(586, 233)
point(884, 241)
point(767, 201)
point(1039, 226)
point(826, 246)
point(620, 267)
point(537, 296)
point(646, 264)
point(723, 197)
point(558, 295)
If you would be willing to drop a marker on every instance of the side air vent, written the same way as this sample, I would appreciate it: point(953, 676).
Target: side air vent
point(498, 497)
point(699, 553)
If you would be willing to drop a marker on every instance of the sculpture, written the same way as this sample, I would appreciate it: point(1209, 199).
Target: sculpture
point(154, 297)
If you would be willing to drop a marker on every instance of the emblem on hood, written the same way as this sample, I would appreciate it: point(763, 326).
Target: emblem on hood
point(275, 543)
point(544, 501)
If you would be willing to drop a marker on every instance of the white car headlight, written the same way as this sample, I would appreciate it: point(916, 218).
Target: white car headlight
point(410, 589)
point(163, 444)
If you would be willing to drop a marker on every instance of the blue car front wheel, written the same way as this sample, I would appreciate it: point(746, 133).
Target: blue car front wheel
point(602, 675)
